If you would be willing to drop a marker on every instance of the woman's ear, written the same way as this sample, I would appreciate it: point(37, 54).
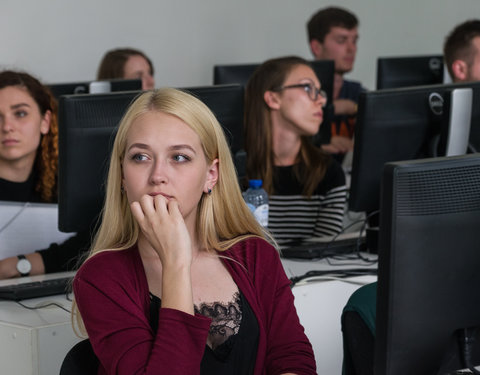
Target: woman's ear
point(272, 99)
point(212, 177)
point(45, 122)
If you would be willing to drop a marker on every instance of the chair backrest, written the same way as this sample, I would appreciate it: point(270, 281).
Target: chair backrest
point(80, 360)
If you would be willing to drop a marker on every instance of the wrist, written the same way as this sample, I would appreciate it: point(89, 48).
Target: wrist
point(8, 268)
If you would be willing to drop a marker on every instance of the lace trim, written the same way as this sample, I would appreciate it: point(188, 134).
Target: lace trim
point(226, 319)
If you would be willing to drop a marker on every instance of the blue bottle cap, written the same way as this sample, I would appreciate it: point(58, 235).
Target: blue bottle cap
point(255, 184)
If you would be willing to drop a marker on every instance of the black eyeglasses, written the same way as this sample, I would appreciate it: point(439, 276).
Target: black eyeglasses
point(309, 88)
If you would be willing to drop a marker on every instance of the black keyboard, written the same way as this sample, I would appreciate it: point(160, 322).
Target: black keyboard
point(324, 249)
point(35, 289)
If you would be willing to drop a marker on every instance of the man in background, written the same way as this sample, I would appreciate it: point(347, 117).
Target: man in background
point(462, 52)
point(333, 35)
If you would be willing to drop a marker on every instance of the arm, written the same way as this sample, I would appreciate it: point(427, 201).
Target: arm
point(338, 144)
point(288, 349)
point(114, 310)
point(8, 266)
point(345, 107)
point(56, 258)
point(331, 213)
point(163, 226)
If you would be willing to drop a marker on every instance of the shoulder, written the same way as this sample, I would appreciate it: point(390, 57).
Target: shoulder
point(108, 265)
point(334, 176)
point(253, 252)
point(352, 89)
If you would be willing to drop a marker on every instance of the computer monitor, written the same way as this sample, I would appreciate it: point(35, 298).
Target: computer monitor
point(428, 270)
point(94, 87)
point(394, 72)
point(324, 69)
point(87, 127)
point(405, 124)
point(241, 73)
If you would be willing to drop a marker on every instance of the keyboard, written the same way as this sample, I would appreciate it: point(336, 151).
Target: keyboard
point(324, 248)
point(31, 288)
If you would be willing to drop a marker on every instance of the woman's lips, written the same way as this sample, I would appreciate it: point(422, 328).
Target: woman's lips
point(163, 194)
point(9, 142)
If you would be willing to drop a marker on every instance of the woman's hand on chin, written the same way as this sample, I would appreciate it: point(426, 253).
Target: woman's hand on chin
point(162, 224)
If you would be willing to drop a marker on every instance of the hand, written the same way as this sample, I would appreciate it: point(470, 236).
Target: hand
point(345, 107)
point(338, 145)
point(161, 222)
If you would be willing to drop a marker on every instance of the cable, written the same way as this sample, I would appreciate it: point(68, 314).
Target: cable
point(12, 219)
point(337, 274)
point(47, 304)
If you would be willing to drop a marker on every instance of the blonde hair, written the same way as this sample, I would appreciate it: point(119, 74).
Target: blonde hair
point(223, 219)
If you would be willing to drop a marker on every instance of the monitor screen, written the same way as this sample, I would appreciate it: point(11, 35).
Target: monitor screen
point(87, 127)
point(241, 73)
point(324, 69)
point(393, 72)
point(428, 272)
point(403, 124)
point(94, 87)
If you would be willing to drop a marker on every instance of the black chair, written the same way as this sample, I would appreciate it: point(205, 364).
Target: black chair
point(358, 331)
point(80, 360)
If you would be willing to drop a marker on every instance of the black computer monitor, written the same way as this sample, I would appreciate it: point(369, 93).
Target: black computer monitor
point(405, 124)
point(241, 73)
point(428, 272)
point(393, 72)
point(324, 69)
point(94, 87)
point(87, 127)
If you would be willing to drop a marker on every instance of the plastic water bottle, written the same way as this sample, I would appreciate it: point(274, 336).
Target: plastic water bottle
point(257, 200)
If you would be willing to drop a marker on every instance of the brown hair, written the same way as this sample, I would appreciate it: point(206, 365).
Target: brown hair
point(458, 44)
point(113, 63)
point(46, 161)
point(258, 130)
point(321, 22)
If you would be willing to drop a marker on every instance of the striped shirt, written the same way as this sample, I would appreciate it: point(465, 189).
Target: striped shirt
point(293, 216)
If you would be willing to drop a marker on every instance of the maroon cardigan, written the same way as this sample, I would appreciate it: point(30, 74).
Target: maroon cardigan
point(112, 294)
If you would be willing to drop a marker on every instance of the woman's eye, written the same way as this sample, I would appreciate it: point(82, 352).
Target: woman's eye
point(181, 158)
point(139, 157)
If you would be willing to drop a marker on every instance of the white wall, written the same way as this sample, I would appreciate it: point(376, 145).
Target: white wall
point(64, 40)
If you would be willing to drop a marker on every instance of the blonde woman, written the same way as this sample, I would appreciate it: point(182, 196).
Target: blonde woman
point(181, 279)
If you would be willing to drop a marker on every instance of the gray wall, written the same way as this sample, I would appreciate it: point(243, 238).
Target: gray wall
point(64, 40)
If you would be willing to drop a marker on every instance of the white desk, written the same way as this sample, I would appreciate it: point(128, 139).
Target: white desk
point(319, 306)
point(35, 342)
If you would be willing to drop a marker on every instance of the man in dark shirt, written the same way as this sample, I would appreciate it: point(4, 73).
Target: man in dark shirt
point(333, 35)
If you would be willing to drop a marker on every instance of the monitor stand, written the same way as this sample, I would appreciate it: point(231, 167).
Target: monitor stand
point(372, 231)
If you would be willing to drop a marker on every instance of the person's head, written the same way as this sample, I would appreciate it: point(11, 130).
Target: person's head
point(29, 128)
point(333, 35)
point(170, 142)
point(462, 52)
point(127, 63)
point(283, 92)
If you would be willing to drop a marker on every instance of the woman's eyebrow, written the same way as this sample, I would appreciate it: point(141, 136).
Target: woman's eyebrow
point(181, 147)
point(139, 145)
point(19, 105)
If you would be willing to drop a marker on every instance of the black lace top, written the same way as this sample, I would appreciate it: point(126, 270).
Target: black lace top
point(233, 337)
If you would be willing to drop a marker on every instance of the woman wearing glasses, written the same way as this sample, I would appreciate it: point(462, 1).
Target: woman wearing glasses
point(283, 110)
